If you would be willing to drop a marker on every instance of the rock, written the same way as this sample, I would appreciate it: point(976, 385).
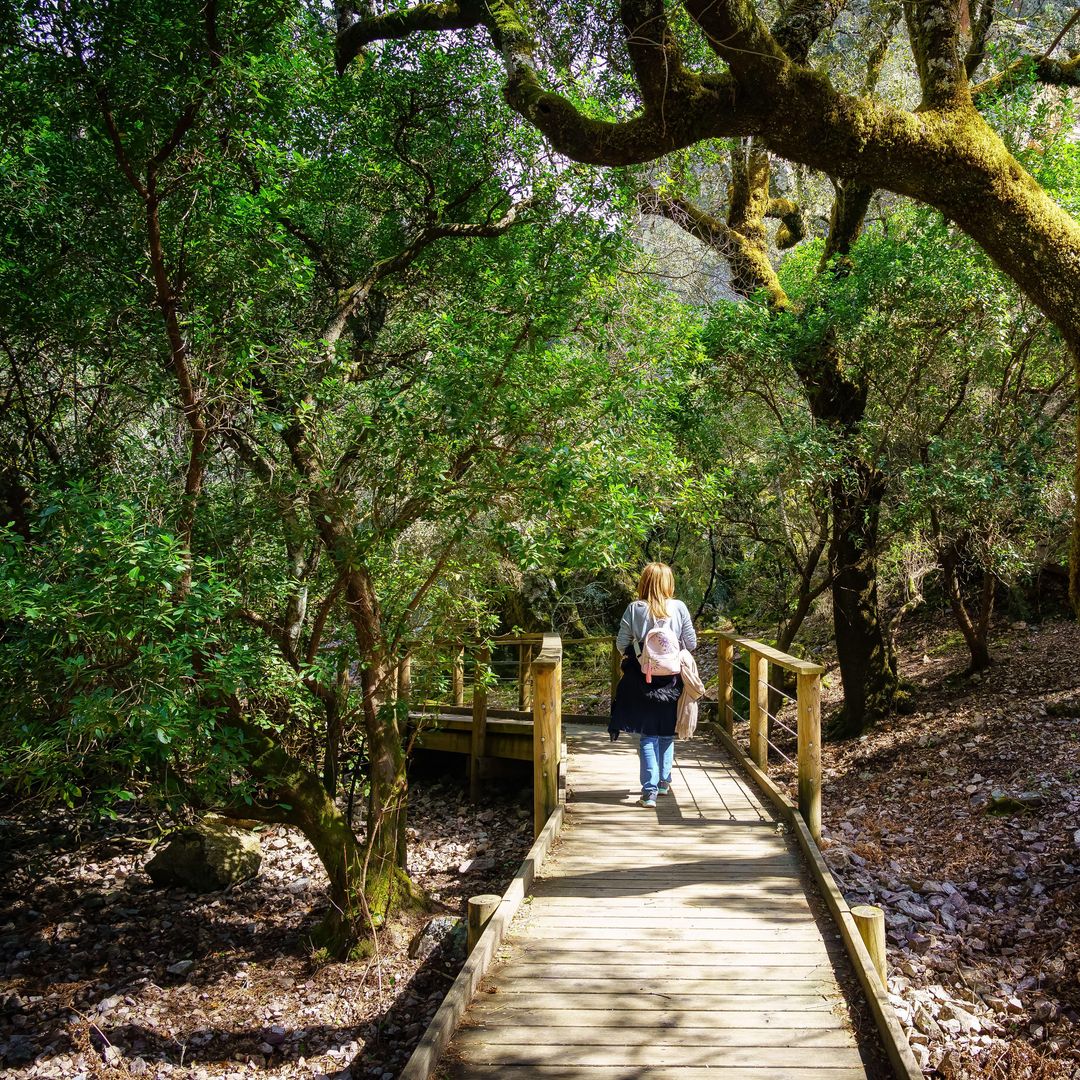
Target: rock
point(916, 911)
point(19, 1051)
point(966, 1020)
point(1044, 1010)
point(206, 857)
point(434, 932)
point(925, 1023)
point(181, 967)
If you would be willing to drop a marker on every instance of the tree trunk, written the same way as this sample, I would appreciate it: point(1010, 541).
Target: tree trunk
point(976, 631)
point(867, 665)
point(365, 886)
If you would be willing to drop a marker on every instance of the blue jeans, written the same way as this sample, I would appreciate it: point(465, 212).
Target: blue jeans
point(657, 753)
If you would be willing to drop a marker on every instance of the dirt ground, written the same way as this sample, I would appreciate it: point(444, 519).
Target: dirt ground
point(86, 944)
point(962, 820)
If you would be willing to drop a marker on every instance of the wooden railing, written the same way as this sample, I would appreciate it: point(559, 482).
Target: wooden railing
point(539, 698)
point(546, 669)
point(807, 699)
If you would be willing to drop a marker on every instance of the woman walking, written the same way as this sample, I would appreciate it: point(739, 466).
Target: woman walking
point(647, 696)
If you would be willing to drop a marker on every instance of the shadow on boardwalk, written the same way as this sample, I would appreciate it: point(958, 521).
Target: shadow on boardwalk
point(672, 942)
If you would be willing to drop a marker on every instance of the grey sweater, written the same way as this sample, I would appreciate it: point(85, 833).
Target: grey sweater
point(637, 621)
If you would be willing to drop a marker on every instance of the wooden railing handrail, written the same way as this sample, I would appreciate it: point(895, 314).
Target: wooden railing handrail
point(773, 655)
point(808, 712)
point(551, 651)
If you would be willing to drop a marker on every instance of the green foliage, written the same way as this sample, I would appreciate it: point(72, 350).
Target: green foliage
point(112, 677)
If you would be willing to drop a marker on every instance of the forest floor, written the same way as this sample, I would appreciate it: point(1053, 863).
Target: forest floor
point(87, 944)
point(983, 907)
point(962, 820)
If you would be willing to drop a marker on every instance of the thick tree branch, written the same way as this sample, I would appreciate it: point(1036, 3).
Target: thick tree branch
point(459, 15)
point(740, 38)
point(801, 25)
point(792, 222)
point(936, 31)
point(750, 266)
point(654, 52)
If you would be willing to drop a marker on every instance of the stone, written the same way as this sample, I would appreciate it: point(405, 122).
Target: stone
point(966, 1020)
point(181, 967)
point(205, 857)
point(434, 933)
point(925, 1023)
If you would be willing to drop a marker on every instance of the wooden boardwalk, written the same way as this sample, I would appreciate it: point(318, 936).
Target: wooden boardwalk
point(676, 942)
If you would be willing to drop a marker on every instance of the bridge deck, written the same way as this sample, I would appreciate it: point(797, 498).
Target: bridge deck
point(675, 942)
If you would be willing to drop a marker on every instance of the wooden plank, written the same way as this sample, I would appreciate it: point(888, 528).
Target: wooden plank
point(720, 1070)
point(491, 1012)
point(743, 1035)
point(704, 989)
point(750, 927)
point(721, 939)
point(809, 751)
point(785, 660)
point(658, 1054)
point(672, 1002)
point(546, 728)
point(748, 930)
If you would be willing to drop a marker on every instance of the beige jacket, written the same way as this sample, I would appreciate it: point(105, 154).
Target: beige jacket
point(687, 709)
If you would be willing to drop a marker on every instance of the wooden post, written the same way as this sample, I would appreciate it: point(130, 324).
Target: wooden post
point(547, 730)
point(871, 923)
point(525, 688)
point(759, 709)
point(478, 747)
point(479, 910)
point(616, 667)
point(458, 678)
point(809, 728)
point(725, 673)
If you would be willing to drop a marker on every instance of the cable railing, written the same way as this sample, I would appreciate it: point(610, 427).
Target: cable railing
point(807, 700)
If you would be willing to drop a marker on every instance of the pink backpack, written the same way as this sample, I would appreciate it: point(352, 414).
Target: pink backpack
point(660, 651)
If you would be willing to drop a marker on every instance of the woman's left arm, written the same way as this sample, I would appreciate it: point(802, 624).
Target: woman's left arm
point(689, 635)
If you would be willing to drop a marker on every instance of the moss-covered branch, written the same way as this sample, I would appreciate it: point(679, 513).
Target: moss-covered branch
point(354, 37)
point(1040, 68)
point(751, 270)
point(936, 33)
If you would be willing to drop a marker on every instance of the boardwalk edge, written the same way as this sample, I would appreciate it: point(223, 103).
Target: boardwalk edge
point(444, 1023)
point(895, 1042)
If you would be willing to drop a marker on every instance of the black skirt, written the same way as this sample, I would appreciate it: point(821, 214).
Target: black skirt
point(645, 708)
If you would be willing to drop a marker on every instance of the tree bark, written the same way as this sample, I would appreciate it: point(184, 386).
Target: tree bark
point(976, 631)
point(867, 665)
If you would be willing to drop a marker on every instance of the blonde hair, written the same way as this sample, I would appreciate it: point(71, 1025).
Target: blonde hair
point(656, 586)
